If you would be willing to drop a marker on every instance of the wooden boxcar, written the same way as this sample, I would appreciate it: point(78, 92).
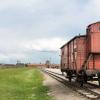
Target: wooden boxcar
point(80, 57)
point(73, 54)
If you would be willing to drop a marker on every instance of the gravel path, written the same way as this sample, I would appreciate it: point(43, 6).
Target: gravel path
point(60, 91)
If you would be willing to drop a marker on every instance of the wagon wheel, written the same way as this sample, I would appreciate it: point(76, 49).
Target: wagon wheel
point(70, 78)
point(82, 77)
point(69, 74)
point(99, 82)
point(62, 73)
point(99, 78)
point(85, 77)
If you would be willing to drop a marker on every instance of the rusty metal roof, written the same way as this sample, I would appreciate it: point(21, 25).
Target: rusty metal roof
point(72, 40)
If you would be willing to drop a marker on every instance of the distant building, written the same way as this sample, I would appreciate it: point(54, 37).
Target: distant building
point(47, 63)
point(35, 65)
point(19, 63)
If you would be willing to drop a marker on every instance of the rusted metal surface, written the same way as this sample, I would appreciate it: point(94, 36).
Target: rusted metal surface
point(93, 36)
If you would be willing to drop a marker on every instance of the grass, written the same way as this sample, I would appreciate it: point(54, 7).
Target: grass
point(22, 84)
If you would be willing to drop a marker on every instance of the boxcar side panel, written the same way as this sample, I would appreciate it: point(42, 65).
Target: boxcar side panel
point(81, 52)
point(74, 54)
point(77, 53)
point(64, 63)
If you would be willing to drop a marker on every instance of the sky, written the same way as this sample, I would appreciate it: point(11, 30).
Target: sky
point(29, 27)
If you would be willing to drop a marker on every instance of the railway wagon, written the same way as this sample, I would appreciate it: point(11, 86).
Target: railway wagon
point(80, 57)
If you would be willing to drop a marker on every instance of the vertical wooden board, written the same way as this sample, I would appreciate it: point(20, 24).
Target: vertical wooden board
point(81, 56)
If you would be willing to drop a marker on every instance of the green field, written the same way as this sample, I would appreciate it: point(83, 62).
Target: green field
point(22, 84)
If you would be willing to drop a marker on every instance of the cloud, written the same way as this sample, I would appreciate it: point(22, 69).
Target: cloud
point(26, 51)
point(29, 26)
point(53, 44)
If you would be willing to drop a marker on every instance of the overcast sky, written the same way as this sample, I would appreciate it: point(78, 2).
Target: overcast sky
point(29, 26)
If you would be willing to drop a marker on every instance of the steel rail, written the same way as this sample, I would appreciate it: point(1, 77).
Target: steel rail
point(85, 90)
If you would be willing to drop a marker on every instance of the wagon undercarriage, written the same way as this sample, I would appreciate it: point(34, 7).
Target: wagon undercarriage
point(82, 77)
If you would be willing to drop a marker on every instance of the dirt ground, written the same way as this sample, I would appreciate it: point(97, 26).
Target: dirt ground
point(60, 91)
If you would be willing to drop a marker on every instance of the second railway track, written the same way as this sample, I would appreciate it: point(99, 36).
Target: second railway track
point(89, 91)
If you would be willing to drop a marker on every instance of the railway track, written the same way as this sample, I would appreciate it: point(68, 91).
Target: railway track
point(88, 90)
